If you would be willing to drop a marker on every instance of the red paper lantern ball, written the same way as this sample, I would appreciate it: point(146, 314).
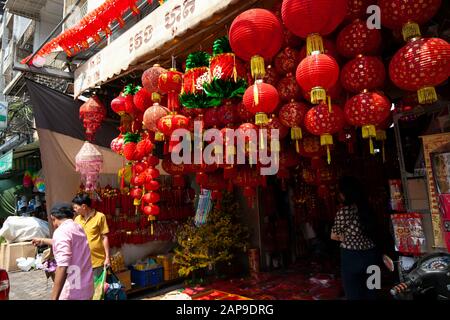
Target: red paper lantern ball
point(306, 17)
point(152, 161)
point(293, 113)
point(357, 39)
point(168, 124)
point(152, 115)
point(320, 121)
point(266, 95)
point(170, 81)
point(288, 89)
point(256, 32)
point(272, 76)
point(287, 61)
point(421, 65)
point(329, 48)
point(118, 105)
point(318, 72)
point(151, 197)
point(211, 117)
point(363, 72)
point(92, 112)
point(151, 210)
point(150, 78)
point(228, 114)
point(396, 13)
point(244, 114)
point(152, 185)
point(370, 108)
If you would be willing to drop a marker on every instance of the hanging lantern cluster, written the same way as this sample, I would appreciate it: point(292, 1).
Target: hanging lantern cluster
point(89, 162)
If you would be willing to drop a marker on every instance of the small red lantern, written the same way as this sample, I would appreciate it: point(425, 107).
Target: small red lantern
point(420, 66)
point(117, 144)
point(92, 112)
point(367, 110)
point(317, 74)
point(151, 118)
point(312, 19)
point(261, 99)
point(363, 73)
point(168, 124)
point(150, 78)
point(255, 35)
point(407, 15)
point(357, 38)
point(292, 115)
point(170, 82)
point(321, 122)
point(288, 88)
point(118, 105)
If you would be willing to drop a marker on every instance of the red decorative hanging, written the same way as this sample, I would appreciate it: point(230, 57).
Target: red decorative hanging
point(407, 15)
point(287, 61)
point(321, 122)
point(92, 113)
point(363, 73)
point(292, 115)
point(255, 35)
point(228, 114)
point(170, 82)
point(312, 19)
point(150, 78)
point(261, 99)
point(367, 110)
point(357, 38)
point(317, 74)
point(420, 66)
point(357, 9)
point(168, 124)
point(288, 88)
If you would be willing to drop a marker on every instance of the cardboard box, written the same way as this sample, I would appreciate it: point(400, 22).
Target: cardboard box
point(125, 279)
point(10, 252)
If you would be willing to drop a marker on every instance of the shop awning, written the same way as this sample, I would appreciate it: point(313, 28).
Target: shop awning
point(26, 8)
point(171, 29)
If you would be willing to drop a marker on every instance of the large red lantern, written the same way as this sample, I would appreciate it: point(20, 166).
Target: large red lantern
point(292, 115)
point(407, 15)
point(261, 99)
point(367, 110)
point(317, 74)
point(170, 82)
point(312, 19)
point(92, 112)
point(255, 35)
point(357, 38)
point(168, 124)
point(363, 73)
point(420, 66)
point(321, 122)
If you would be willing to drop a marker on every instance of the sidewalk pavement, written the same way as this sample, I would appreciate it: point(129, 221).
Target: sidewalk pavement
point(31, 285)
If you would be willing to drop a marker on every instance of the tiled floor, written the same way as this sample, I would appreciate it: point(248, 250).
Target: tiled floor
point(32, 285)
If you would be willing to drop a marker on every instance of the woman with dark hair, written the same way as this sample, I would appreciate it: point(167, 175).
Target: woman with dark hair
point(354, 227)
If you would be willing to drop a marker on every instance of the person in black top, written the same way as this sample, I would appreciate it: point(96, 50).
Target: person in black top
point(354, 227)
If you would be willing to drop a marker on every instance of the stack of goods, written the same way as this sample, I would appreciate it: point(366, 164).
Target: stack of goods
point(170, 268)
point(117, 262)
point(409, 233)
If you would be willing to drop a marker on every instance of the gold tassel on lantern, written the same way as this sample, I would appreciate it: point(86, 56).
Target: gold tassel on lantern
point(330, 109)
point(159, 136)
point(257, 67)
point(235, 75)
point(151, 219)
point(156, 97)
point(369, 132)
point(318, 94)
point(327, 140)
point(411, 30)
point(296, 134)
point(427, 95)
point(276, 147)
point(381, 136)
point(261, 119)
point(314, 44)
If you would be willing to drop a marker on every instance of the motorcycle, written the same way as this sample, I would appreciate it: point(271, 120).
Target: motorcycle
point(428, 279)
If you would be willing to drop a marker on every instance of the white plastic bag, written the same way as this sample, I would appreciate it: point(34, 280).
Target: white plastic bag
point(23, 229)
point(25, 264)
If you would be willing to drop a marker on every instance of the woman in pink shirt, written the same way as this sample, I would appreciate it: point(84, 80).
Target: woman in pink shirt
point(73, 276)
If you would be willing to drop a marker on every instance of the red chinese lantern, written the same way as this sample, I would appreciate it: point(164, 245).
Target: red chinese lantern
point(168, 124)
point(287, 61)
point(272, 76)
point(92, 112)
point(357, 38)
point(292, 115)
point(288, 88)
point(317, 74)
point(255, 35)
point(363, 73)
point(310, 148)
point(407, 15)
point(170, 82)
point(117, 144)
point(321, 122)
point(244, 114)
point(248, 179)
point(275, 123)
point(357, 9)
point(367, 110)
point(248, 132)
point(420, 66)
point(150, 78)
point(261, 99)
point(118, 105)
point(312, 19)
point(151, 118)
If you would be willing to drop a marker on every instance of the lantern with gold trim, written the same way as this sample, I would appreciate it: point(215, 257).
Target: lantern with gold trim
point(168, 124)
point(292, 115)
point(170, 83)
point(92, 112)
